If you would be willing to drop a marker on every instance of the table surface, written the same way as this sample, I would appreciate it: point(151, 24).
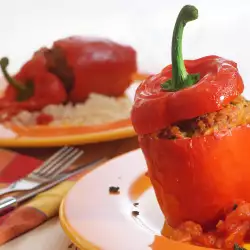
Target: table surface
point(50, 236)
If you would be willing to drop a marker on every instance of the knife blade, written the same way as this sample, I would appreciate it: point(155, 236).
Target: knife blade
point(8, 203)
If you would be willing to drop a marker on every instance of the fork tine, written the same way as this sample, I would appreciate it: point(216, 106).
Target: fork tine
point(59, 167)
point(49, 160)
point(57, 158)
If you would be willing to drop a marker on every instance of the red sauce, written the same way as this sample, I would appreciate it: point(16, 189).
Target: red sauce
point(44, 119)
point(233, 229)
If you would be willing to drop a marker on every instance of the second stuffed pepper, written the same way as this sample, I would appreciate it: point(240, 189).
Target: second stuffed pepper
point(69, 71)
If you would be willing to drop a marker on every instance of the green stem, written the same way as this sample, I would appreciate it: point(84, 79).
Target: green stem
point(4, 62)
point(24, 91)
point(180, 77)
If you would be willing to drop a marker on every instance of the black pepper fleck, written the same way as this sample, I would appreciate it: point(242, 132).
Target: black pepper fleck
point(114, 190)
point(136, 204)
point(135, 213)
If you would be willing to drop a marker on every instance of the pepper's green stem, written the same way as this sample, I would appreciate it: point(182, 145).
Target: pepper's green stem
point(4, 62)
point(24, 91)
point(180, 77)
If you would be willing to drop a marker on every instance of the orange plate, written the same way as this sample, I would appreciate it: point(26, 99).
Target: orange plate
point(94, 219)
point(45, 136)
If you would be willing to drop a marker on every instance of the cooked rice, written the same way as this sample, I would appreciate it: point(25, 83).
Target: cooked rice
point(98, 109)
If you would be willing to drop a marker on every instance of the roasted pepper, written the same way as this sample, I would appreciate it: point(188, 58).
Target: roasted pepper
point(93, 65)
point(69, 71)
point(31, 89)
point(194, 178)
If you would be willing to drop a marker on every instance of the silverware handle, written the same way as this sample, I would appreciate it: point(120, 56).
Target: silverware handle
point(7, 204)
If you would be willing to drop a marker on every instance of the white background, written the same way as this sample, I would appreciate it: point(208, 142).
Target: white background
point(222, 28)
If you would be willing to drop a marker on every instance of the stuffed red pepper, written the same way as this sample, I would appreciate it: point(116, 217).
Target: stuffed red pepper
point(193, 128)
point(69, 71)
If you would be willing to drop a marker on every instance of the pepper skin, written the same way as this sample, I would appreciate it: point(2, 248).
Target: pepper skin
point(99, 66)
point(196, 178)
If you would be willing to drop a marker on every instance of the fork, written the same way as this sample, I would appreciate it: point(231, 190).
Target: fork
point(48, 171)
point(9, 203)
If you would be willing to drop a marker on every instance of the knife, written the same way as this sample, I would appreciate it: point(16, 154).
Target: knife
point(8, 203)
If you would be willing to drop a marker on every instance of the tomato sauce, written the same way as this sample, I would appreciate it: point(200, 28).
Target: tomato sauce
point(44, 119)
point(231, 231)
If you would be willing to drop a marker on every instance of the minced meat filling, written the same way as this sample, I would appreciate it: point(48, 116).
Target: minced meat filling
point(232, 115)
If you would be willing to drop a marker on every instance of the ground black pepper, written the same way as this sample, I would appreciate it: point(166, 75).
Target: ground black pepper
point(114, 190)
point(135, 213)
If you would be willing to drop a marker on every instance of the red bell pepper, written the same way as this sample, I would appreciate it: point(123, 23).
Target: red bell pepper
point(155, 109)
point(185, 89)
point(193, 178)
point(99, 66)
point(31, 89)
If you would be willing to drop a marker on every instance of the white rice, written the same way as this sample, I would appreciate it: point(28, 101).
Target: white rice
point(98, 109)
